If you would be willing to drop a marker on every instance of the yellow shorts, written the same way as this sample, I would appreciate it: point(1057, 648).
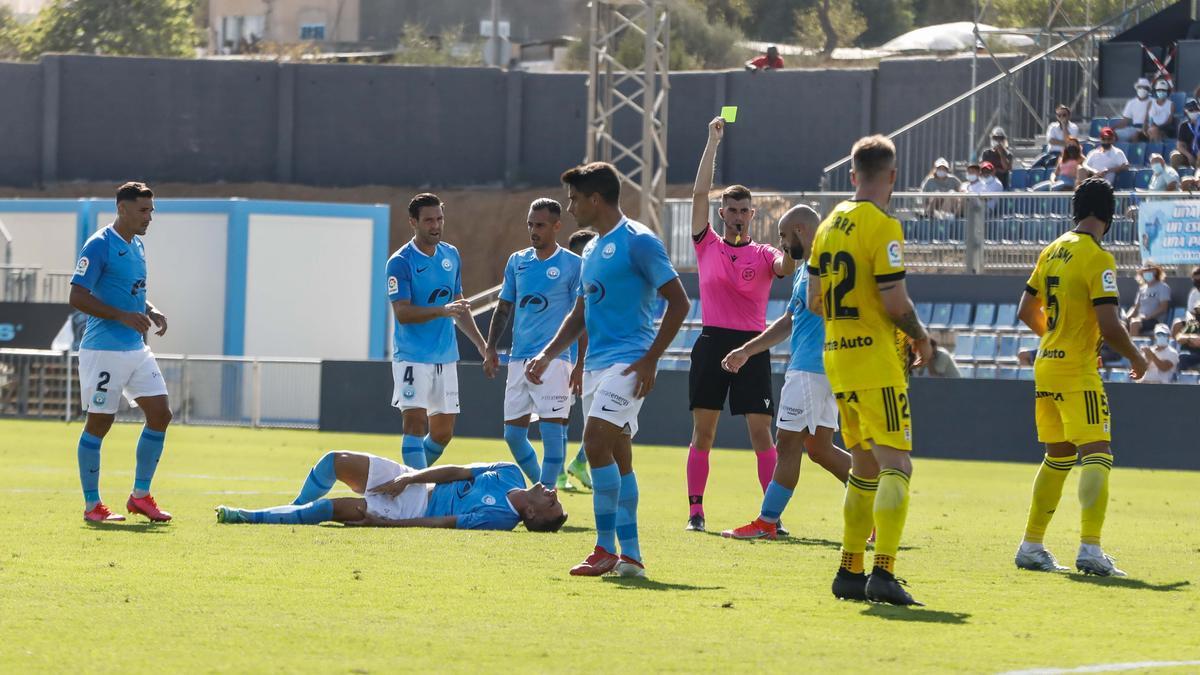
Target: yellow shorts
point(877, 415)
point(1075, 417)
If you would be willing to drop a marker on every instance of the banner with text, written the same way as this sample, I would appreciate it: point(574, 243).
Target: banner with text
point(1169, 231)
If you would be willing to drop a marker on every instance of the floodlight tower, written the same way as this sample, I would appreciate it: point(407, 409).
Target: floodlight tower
point(641, 160)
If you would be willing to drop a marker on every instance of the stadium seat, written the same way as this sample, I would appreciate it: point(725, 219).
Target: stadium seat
point(1028, 342)
point(985, 348)
point(925, 311)
point(1125, 180)
point(960, 315)
point(1025, 373)
point(1163, 149)
point(1038, 175)
point(1179, 98)
point(985, 315)
point(1177, 313)
point(967, 370)
point(964, 346)
point(1087, 146)
point(1006, 316)
point(940, 319)
point(1006, 373)
point(693, 311)
point(1136, 154)
point(985, 372)
point(1098, 123)
point(1006, 351)
point(1141, 181)
point(1018, 179)
point(1188, 377)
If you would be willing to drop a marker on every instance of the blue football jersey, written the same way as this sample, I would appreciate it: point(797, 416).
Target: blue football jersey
point(622, 272)
point(480, 503)
point(542, 292)
point(808, 329)
point(114, 270)
point(425, 281)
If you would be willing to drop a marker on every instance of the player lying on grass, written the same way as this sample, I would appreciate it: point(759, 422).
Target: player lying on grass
point(471, 497)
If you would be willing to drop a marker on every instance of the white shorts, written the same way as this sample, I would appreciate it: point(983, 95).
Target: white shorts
point(806, 402)
point(551, 399)
point(432, 387)
point(410, 503)
point(105, 375)
point(608, 395)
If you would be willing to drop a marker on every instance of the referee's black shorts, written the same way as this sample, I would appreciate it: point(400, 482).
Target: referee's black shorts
point(749, 390)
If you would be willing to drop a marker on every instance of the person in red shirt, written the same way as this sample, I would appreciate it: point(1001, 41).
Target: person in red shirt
point(768, 61)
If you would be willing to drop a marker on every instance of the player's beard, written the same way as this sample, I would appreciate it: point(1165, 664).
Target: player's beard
point(797, 251)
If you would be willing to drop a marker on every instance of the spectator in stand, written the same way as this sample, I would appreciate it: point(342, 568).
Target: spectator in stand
point(1165, 178)
point(981, 179)
point(940, 180)
point(1105, 161)
point(769, 61)
point(1161, 123)
point(1189, 342)
point(1187, 138)
point(1065, 170)
point(1061, 128)
point(1133, 117)
point(941, 365)
point(1162, 360)
point(999, 156)
point(1193, 301)
point(1150, 307)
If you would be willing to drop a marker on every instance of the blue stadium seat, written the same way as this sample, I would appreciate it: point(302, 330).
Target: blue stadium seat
point(1179, 98)
point(985, 315)
point(1177, 313)
point(1018, 179)
point(1124, 180)
point(1136, 154)
point(1163, 149)
point(1188, 377)
point(964, 346)
point(1141, 181)
point(1087, 146)
point(966, 370)
point(1006, 352)
point(1006, 373)
point(985, 372)
point(1027, 342)
point(1098, 123)
point(1025, 373)
point(1006, 315)
point(960, 315)
point(985, 348)
point(940, 319)
point(925, 311)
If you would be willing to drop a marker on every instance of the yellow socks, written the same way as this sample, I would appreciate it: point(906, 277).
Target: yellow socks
point(1047, 490)
point(891, 510)
point(857, 513)
point(1093, 495)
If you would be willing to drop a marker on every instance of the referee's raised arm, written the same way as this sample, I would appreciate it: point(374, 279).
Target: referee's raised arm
point(704, 176)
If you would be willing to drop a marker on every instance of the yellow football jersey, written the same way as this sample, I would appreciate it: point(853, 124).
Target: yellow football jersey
point(857, 247)
point(1073, 274)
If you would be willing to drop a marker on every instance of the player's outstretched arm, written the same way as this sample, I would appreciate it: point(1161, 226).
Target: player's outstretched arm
point(571, 329)
point(466, 323)
point(899, 306)
point(500, 315)
point(83, 300)
point(677, 309)
point(779, 330)
point(1032, 314)
point(1114, 333)
point(704, 176)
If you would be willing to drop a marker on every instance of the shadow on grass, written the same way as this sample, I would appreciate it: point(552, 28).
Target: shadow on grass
point(1126, 582)
point(804, 541)
point(652, 585)
point(128, 527)
point(573, 529)
point(915, 614)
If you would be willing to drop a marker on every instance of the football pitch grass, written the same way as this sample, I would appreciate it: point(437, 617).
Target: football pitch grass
point(193, 595)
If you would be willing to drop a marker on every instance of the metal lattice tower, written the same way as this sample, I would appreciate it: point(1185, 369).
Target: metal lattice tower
point(612, 87)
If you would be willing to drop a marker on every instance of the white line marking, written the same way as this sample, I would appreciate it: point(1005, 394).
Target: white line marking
point(1104, 668)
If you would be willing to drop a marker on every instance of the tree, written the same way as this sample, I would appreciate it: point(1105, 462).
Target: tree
point(931, 12)
point(127, 28)
point(10, 35)
point(419, 48)
point(695, 43)
point(1033, 13)
point(773, 20)
point(885, 20)
point(829, 23)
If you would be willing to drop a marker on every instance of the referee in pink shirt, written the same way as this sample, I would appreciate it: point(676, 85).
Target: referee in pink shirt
point(735, 284)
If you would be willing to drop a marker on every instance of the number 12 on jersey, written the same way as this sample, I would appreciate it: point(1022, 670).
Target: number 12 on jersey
point(838, 271)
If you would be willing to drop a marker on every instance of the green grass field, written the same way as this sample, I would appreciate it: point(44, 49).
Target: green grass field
point(197, 596)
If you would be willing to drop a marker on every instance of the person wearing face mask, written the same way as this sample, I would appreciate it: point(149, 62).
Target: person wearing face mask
point(1189, 341)
point(999, 156)
point(1150, 307)
point(1162, 359)
point(1160, 124)
point(1135, 114)
point(1187, 137)
point(1105, 161)
point(1193, 301)
point(1165, 178)
point(940, 180)
point(1061, 128)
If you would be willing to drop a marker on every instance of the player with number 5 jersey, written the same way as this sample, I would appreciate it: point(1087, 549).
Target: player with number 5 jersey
point(109, 285)
point(857, 284)
point(424, 286)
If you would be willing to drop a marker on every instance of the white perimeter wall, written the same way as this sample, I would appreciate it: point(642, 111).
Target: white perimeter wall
point(46, 239)
point(308, 286)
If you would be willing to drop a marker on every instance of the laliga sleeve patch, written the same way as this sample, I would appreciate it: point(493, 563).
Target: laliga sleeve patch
point(82, 267)
point(895, 254)
point(393, 284)
point(1108, 281)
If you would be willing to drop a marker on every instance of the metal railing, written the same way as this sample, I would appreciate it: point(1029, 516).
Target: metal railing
point(999, 233)
point(1020, 99)
point(30, 283)
point(212, 390)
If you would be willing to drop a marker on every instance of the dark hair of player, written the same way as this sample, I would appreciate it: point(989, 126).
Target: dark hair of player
point(423, 199)
point(735, 193)
point(1093, 197)
point(548, 204)
point(131, 191)
point(545, 524)
point(872, 155)
point(595, 178)
point(579, 240)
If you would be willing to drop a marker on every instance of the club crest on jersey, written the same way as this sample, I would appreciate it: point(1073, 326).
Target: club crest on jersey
point(608, 250)
point(393, 285)
point(409, 392)
point(99, 398)
point(1108, 281)
point(895, 254)
point(82, 267)
point(446, 265)
point(552, 273)
point(748, 274)
point(489, 500)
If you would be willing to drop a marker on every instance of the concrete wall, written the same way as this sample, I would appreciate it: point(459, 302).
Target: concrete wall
point(100, 118)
